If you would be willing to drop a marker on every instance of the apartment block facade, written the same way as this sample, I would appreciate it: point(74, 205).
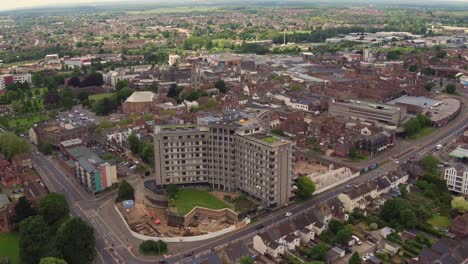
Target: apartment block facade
point(456, 178)
point(231, 153)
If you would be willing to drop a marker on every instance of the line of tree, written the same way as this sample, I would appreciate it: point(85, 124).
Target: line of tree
point(50, 235)
point(144, 149)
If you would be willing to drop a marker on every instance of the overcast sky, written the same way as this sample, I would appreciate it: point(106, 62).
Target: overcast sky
point(14, 4)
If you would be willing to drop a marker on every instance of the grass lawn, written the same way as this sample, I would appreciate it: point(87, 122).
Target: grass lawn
point(424, 132)
point(23, 123)
point(97, 97)
point(440, 222)
point(187, 199)
point(9, 247)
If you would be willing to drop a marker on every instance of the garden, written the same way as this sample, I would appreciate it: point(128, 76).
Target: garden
point(9, 247)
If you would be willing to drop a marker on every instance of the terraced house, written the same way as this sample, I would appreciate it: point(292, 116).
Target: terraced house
point(232, 152)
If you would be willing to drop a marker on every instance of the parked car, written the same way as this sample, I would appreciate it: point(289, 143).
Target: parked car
point(287, 214)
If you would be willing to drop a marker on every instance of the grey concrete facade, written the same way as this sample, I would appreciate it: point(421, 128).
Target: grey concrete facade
point(233, 154)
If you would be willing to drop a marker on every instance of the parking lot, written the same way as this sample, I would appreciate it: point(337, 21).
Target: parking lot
point(78, 116)
point(365, 248)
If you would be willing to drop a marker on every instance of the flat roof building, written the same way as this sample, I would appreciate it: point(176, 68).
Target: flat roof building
point(368, 111)
point(232, 153)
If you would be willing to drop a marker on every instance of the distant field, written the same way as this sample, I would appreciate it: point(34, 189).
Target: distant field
point(19, 63)
point(9, 247)
point(166, 10)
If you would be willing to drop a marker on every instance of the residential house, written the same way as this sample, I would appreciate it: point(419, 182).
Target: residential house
point(22, 162)
point(444, 251)
point(335, 254)
point(265, 244)
point(460, 226)
point(234, 252)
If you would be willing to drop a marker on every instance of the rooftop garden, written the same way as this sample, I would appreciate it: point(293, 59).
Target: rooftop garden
point(269, 139)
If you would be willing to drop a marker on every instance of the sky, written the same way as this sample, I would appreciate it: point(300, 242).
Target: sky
point(19, 4)
point(15, 4)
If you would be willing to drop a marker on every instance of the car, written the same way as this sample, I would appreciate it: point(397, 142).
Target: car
point(260, 226)
point(38, 153)
point(162, 261)
point(287, 214)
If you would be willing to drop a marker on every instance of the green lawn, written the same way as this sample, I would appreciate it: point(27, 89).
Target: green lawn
point(97, 97)
point(9, 247)
point(23, 123)
point(424, 132)
point(187, 199)
point(440, 222)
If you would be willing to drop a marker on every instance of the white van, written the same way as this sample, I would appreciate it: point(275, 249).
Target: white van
point(358, 241)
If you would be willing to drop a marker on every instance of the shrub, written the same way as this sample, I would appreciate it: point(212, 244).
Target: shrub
point(151, 247)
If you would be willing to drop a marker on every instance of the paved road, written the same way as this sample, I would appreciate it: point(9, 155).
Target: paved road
point(112, 250)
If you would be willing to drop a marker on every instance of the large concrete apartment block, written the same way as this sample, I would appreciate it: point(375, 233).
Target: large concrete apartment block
point(231, 154)
point(368, 111)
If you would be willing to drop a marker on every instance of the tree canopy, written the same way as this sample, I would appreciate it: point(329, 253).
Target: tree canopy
point(126, 191)
point(23, 209)
point(460, 204)
point(355, 258)
point(151, 247)
point(11, 145)
point(76, 242)
point(53, 207)
point(33, 239)
point(305, 187)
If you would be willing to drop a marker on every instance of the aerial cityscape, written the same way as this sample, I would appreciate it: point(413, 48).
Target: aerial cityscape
point(206, 132)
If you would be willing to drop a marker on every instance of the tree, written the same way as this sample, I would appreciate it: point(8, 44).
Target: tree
point(121, 84)
point(412, 126)
point(221, 86)
point(83, 97)
point(429, 86)
point(33, 239)
point(451, 88)
point(23, 209)
point(104, 106)
point(123, 94)
point(172, 191)
point(408, 217)
point(151, 247)
point(52, 260)
point(460, 204)
point(413, 68)
point(344, 235)
point(318, 252)
point(355, 258)
point(45, 148)
point(373, 226)
point(352, 153)
point(126, 191)
point(305, 187)
point(278, 131)
point(11, 145)
point(53, 207)
point(93, 79)
point(134, 143)
point(74, 81)
point(334, 226)
point(246, 260)
point(76, 242)
point(429, 164)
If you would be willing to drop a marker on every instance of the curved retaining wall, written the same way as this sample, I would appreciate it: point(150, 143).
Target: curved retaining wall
point(175, 239)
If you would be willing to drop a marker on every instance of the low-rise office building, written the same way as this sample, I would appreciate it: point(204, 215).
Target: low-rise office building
point(231, 153)
point(368, 111)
